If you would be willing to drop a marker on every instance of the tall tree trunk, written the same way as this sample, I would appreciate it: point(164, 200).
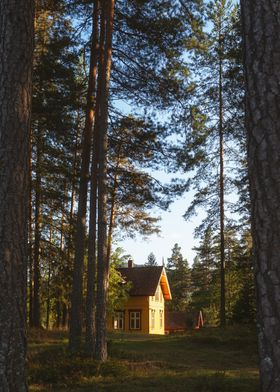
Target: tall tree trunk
point(91, 276)
point(49, 277)
point(261, 32)
point(37, 233)
point(30, 247)
point(58, 313)
point(72, 198)
point(77, 289)
point(65, 316)
point(222, 188)
point(113, 205)
point(48, 298)
point(102, 248)
point(16, 47)
point(112, 217)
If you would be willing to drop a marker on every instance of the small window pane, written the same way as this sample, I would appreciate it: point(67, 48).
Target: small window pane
point(134, 320)
point(119, 320)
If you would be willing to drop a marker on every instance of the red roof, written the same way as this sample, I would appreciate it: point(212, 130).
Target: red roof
point(175, 321)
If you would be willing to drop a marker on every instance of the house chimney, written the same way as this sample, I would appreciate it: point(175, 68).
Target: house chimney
point(130, 263)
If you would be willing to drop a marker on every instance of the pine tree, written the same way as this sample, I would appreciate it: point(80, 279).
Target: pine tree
point(55, 125)
point(180, 279)
point(214, 113)
point(104, 72)
point(77, 288)
point(204, 276)
point(16, 48)
point(152, 261)
point(261, 30)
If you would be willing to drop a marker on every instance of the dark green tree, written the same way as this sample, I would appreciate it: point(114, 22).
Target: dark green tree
point(179, 275)
point(55, 140)
point(152, 261)
point(205, 274)
point(214, 116)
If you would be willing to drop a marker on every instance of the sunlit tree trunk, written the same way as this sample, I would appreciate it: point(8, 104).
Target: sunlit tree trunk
point(112, 215)
point(102, 248)
point(261, 32)
point(77, 289)
point(16, 48)
point(91, 266)
point(91, 277)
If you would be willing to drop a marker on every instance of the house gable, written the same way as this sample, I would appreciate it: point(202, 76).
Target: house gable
point(144, 310)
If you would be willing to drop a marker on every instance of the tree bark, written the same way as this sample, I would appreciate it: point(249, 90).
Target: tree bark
point(113, 204)
point(37, 234)
point(91, 266)
point(222, 188)
point(16, 48)
point(91, 277)
point(261, 32)
point(77, 289)
point(30, 247)
point(101, 354)
point(48, 307)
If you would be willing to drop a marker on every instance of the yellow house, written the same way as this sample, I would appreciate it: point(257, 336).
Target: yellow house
point(144, 310)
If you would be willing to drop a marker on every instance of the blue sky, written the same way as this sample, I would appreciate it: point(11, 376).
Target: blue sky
point(174, 229)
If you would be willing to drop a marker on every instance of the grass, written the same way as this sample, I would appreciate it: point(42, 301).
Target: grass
point(209, 360)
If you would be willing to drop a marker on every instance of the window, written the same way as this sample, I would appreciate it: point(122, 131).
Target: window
point(161, 319)
point(135, 319)
point(119, 320)
point(157, 293)
point(158, 296)
point(153, 318)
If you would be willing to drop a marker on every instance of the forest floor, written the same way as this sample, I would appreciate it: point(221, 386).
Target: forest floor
point(208, 360)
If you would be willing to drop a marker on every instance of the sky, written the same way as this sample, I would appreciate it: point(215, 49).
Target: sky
point(174, 229)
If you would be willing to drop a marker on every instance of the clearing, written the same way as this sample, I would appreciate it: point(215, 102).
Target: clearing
point(208, 360)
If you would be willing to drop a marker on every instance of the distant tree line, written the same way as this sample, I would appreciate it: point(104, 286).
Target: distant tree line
point(197, 287)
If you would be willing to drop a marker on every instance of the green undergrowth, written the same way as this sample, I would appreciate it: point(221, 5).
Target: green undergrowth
point(209, 360)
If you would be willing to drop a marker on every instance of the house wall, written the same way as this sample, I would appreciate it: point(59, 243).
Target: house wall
point(137, 304)
point(146, 305)
point(158, 307)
